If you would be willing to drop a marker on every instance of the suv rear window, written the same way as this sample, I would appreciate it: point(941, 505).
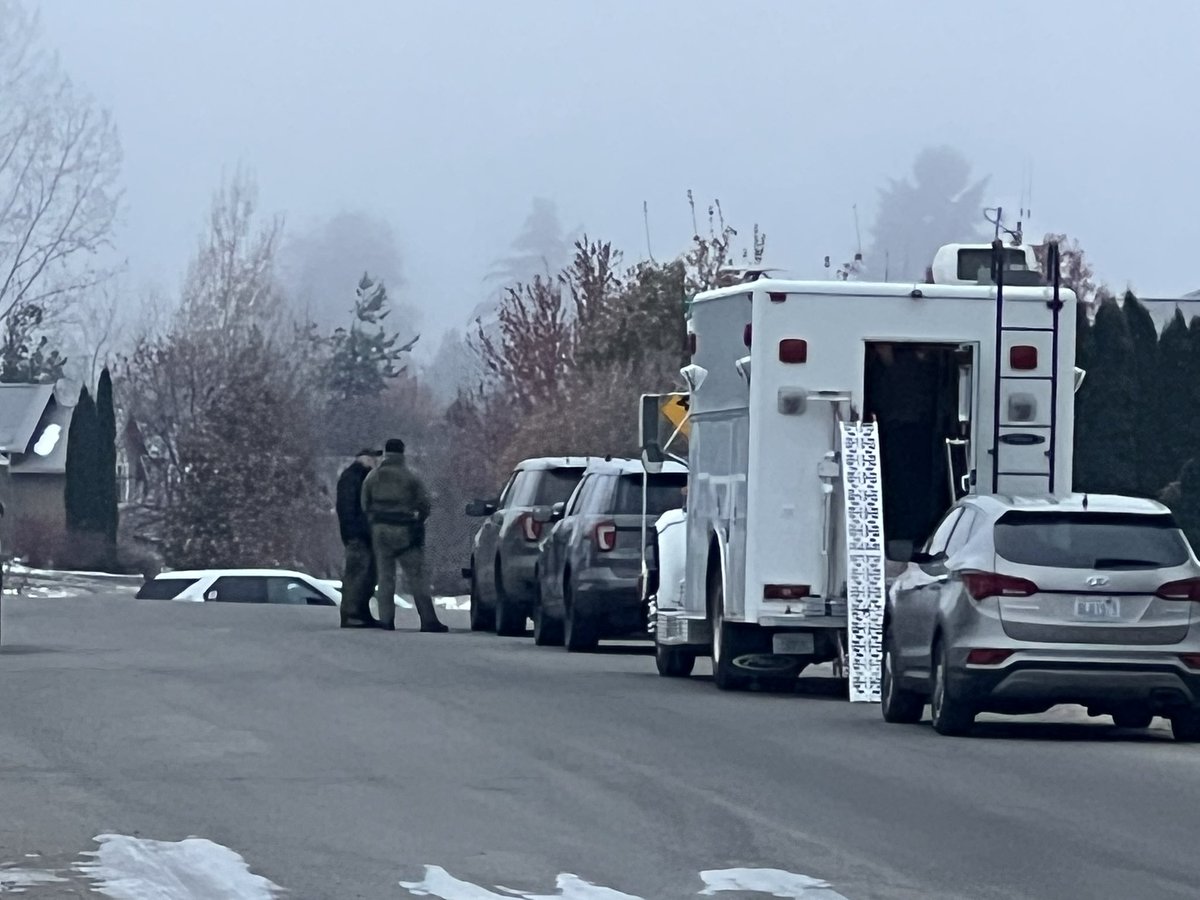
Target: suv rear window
point(664, 492)
point(1091, 540)
point(555, 486)
point(164, 588)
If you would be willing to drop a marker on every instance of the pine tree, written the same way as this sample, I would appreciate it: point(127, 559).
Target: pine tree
point(106, 458)
point(1144, 335)
point(1106, 450)
point(80, 492)
point(1175, 399)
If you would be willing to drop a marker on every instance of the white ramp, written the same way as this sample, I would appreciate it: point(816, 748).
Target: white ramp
point(865, 578)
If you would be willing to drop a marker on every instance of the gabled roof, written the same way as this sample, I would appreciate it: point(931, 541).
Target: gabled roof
point(21, 409)
point(46, 454)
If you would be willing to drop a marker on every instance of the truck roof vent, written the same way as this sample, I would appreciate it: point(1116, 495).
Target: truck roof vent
point(972, 264)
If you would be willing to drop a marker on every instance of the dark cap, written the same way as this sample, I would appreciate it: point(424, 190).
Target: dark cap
point(368, 453)
point(395, 445)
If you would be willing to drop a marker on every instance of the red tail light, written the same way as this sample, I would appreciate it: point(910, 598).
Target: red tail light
point(748, 334)
point(793, 351)
point(982, 657)
point(691, 343)
point(1187, 589)
point(1023, 357)
point(981, 585)
point(1191, 660)
point(785, 591)
point(531, 528)
point(605, 536)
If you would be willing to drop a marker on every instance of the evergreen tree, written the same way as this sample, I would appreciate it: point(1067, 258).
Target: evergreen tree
point(1176, 401)
point(80, 492)
point(1144, 336)
point(106, 457)
point(1106, 449)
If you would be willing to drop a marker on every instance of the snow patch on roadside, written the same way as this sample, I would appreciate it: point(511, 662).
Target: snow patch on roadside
point(440, 883)
point(775, 882)
point(130, 868)
point(14, 881)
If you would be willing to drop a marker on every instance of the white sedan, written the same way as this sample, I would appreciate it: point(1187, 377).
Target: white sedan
point(241, 586)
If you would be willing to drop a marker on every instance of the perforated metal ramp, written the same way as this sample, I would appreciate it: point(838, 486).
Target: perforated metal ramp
point(865, 576)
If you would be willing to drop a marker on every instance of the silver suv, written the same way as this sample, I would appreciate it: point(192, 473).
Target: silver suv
point(1015, 606)
point(505, 550)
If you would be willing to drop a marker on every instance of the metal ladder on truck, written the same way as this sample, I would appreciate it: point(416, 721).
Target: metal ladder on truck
point(1025, 399)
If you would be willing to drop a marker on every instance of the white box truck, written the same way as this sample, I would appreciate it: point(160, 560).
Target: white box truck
point(829, 426)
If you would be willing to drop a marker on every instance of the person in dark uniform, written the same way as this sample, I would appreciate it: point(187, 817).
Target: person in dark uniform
point(397, 504)
point(358, 580)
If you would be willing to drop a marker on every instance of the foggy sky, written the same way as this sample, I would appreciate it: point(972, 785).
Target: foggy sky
point(447, 118)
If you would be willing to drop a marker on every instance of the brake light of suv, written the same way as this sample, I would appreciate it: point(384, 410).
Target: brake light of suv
point(1187, 589)
point(605, 536)
point(981, 585)
point(531, 528)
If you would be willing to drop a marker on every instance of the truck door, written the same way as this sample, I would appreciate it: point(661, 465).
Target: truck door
point(959, 446)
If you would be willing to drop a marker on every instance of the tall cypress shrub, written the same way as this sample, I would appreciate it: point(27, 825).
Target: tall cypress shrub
point(106, 458)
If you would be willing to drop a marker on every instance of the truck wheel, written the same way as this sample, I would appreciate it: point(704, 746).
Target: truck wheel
point(674, 662)
point(1186, 726)
point(547, 631)
point(578, 636)
point(481, 619)
point(724, 639)
point(899, 705)
point(510, 616)
point(951, 714)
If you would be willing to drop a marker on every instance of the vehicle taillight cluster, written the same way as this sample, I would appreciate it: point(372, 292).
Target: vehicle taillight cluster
point(605, 535)
point(981, 585)
point(1187, 589)
point(531, 528)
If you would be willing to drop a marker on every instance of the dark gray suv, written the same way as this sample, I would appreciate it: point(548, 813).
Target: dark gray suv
point(505, 550)
point(592, 559)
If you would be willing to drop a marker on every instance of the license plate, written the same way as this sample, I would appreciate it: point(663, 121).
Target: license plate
point(798, 644)
point(1098, 607)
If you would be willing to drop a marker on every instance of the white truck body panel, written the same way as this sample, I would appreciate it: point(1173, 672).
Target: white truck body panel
point(755, 492)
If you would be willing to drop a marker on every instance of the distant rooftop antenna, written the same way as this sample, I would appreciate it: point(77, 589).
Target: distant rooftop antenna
point(995, 216)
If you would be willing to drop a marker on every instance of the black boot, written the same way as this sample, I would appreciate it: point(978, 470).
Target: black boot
point(434, 627)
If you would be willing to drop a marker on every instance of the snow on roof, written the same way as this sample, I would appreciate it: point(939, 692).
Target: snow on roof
point(883, 289)
point(542, 463)
point(234, 573)
point(21, 408)
point(996, 504)
point(628, 466)
point(48, 453)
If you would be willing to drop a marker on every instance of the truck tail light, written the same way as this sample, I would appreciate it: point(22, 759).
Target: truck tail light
point(793, 351)
point(981, 585)
point(1187, 589)
point(1191, 660)
point(531, 528)
point(605, 535)
point(1023, 357)
point(786, 591)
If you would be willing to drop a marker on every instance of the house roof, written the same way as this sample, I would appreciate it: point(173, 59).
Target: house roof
point(21, 409)
point(46, 453)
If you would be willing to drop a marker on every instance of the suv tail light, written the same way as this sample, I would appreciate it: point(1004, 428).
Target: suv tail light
point(605, 536)
point(1191, 660)
point(981, 585)
point(1187, 589)
point(531, 528)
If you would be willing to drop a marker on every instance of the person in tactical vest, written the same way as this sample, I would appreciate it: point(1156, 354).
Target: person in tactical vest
point(396, 503)
point(358, 579)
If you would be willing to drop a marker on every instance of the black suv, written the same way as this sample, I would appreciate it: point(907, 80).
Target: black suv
point(505, 551)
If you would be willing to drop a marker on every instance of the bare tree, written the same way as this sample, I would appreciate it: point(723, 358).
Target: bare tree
point(59, 163)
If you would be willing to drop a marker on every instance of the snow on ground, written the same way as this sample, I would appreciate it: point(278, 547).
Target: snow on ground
point(16, 880)
point(130, 868)
point(773, 882)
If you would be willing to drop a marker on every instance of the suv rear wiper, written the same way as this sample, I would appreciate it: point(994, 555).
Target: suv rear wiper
point(1117, 562)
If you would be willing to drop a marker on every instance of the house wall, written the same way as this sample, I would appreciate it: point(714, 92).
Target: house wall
point(36, 517)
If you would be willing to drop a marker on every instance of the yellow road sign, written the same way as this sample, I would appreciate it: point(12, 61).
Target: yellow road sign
point(675, 408)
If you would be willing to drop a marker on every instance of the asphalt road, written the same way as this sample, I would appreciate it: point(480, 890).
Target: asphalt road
point(341, 763)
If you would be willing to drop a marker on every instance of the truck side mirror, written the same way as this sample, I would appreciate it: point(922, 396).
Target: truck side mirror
point(478, 509)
